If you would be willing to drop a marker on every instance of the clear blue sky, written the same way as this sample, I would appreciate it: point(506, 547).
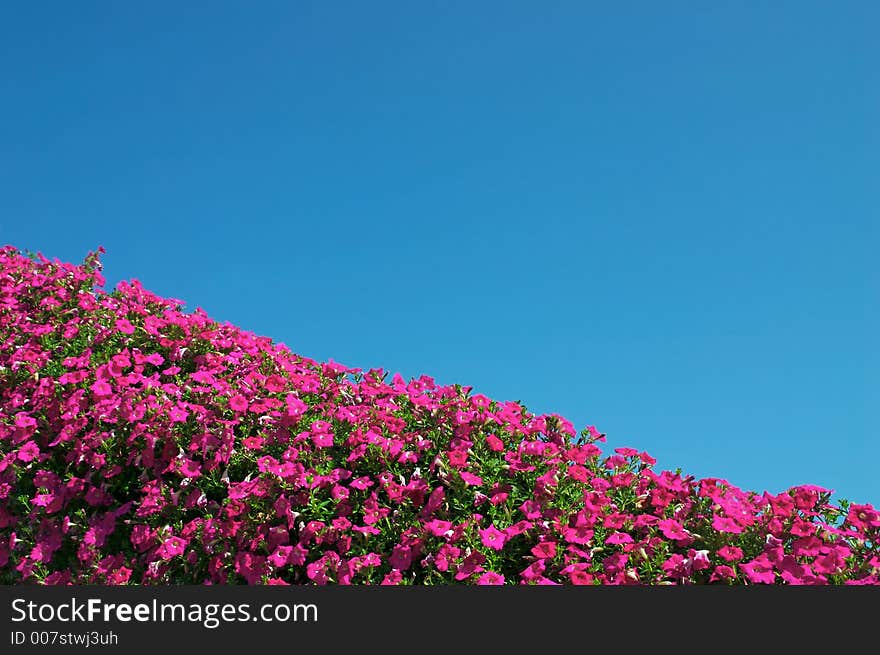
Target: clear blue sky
point(656, 217)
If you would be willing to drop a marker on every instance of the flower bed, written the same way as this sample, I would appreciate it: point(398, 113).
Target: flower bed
point(140, 444)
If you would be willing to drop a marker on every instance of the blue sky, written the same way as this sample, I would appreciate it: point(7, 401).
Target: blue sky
point(653, 217)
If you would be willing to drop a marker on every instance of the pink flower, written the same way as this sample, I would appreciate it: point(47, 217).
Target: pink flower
point(470, 565)
point(490, 578)
point(730, 553)
point(697, 560)
point(124, 326)
point(25, 420)
point(806, 547)
point(294, 406)
point(178, 415)
point(280, 556)
point(722, 572)
point(120, 576)
point(579, 534)
point(495, 444)
point(171, 547)
point(42, 500)
point(493, 538)
point(544, 550)
point(238, 403)
point(619, 538)
point(142, 537)
point(531, 509)
point(251, 567)
point(864, 516)
point(579, 473)
point(793, 572)
point(725, 524)
point(253, 443)
point(118, 364)
point(674, 565)
point(401, 557)
point(457, 458)
point(759, 571)
point(28, 452)
point(361, 483)
point(155, 359)
point(830, 563)
point(322, 439)
point(534, 571)
point(101, 388)
point(392, 578)
point(801, 528)
point(471, 479)
point(672, 529)
point(189, 468)
point(274, 383)
point(580, 577)
point(517, 529)
point(438, 528)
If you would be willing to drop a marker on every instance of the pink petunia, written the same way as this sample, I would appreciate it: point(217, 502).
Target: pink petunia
point(579, 577)
point(578, 473)
point(863, 516)
point(721, 573)
point(172, 547)
point(672, 529)
point(829, 563)
point(392, 578)
point(490, 578)
point(674, 565)
point(793, 572)
point(697, 560)
point(155, 359)
point(758, 571)
point(545, 550)
point(28, 452)
point(253, 443)
point(121, 361)
point(189, 468)
point(322, 439)
point(238, 403)
point(470, 565)
point(401, 557)
point(806, 547)
point(124, 326)
point(801, 528)
point(730, 553)
point(101, 388)
point(471, 479)
point(457, 458)
point(517, 529)
point(42, 500)
point(533, 571)
point(495, 444)
point(294, 406)
point(25, 420)
point(274, 383)
point(361, 483)
point(178, 415)
point(493, 538)
point(579, 534)
point(280, 556)
point(438, 528)
point(619, 538)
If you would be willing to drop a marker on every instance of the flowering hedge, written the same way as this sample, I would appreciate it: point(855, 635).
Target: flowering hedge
point(143, 445)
